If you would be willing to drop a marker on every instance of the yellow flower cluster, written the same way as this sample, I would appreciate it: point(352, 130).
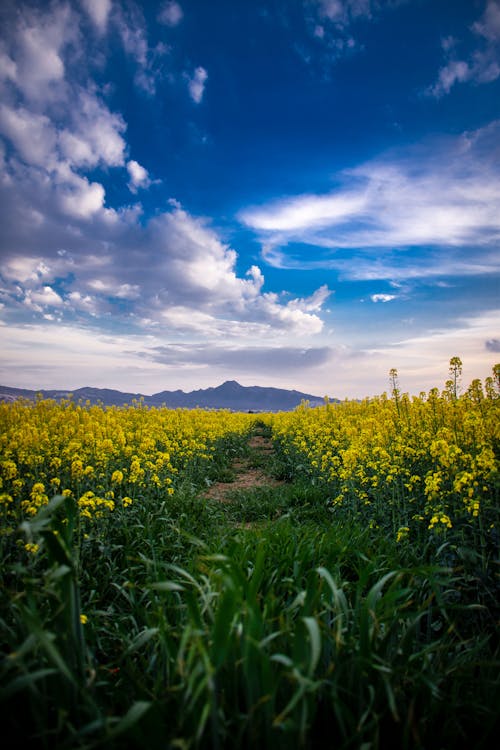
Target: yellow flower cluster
point(424, 460)
point(103, 457)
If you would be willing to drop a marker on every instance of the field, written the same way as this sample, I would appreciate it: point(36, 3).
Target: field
point(322, 578)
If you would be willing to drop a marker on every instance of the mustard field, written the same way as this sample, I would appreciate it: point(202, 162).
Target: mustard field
point(352, 601)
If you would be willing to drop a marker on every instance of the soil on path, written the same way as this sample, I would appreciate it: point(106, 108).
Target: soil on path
point(249, 472)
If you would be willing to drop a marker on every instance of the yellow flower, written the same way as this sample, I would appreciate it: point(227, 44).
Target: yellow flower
point(9, 469)
point(402, 534)
point(84, 619)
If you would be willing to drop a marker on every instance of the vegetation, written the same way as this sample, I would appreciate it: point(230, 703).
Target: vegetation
point(350, 601)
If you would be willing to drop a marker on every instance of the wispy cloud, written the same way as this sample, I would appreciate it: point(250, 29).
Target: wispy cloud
point(382, 297)
point(98, 11)
point(248, 359)
point(196, 84)
point(442, 195)
point(480, 66)
point(333, 28)
point(170, 13)
point(149, 59)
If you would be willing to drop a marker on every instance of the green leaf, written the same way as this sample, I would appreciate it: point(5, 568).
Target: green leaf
point(24, 681)
point(315, 639)
point(222, 627)
point(133, 715)
point(167, 586)
point(143, 637)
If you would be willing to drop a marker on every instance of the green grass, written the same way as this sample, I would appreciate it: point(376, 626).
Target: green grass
point(264, 621)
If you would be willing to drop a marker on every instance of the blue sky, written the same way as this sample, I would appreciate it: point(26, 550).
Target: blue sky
point(292, 193)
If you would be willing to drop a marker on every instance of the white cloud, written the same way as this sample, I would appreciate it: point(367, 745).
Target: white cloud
point(196, 84)
point(343, 12)
point(139, 177)
point(202, 277)
point(58, 126)
point(113, 289)
point(170, 13)
point(8, 68)
point(84, 356)
point(33, 135)
point(83, 302)
point(306, 211)
point(456, 71)
point(132, 28)
point(295, 316)
point(489, 23)
point(482, 65)
point(38, 43)
point(416, 357)
point(98, 11)
point(442, 195)
point(175, 271)
point(382, 297)
point(81, 198)
point(95, 135)
point(332, 26)
point(22, 269)
point(47, 297)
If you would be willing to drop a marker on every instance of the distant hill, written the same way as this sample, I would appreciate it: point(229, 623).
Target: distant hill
point(229, 395)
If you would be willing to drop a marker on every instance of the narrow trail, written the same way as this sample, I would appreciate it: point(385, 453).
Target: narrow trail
point(249, 472)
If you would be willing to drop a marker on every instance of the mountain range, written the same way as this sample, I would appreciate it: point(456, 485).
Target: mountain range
point(229, 395)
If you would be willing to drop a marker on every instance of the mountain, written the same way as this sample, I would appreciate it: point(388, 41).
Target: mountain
point(229, 395)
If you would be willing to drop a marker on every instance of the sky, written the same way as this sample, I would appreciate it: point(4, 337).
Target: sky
point(302, 194)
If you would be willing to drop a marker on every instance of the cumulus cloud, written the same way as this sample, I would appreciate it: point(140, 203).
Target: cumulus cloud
point(139, 177)
point(33, 135)
point(46, 297)
point(35, 59)
point(55, 126)
point(96, 133)
point(202, 270)
point(70, 258)
point(173, 273)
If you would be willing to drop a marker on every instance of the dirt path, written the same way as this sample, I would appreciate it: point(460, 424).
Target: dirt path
point(249, 472)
